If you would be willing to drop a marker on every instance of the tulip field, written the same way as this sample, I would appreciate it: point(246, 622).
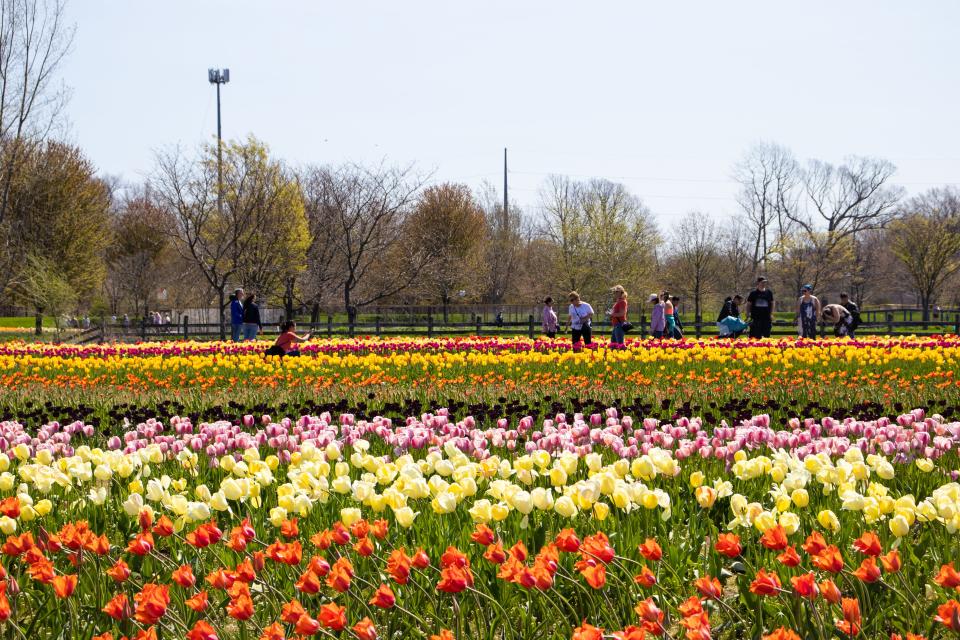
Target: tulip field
point(481, 489)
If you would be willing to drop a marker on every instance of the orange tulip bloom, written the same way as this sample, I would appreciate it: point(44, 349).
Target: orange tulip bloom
point(379, 529)
point(333, 616)
point(365, 629)
point(789, 557)
point(241, 607)
point(495, 553)
point(164, 527)
point(774, 538)
point(292, 611)
point(398, 566)
point(184, 577)
point(152, 603)
point(360, 528)
point(519, 551)
point(340, 575)
point(805, 585)
point(306, 626)
point(141, 545)
point(118, 607)
point(272, 632)
point(308, 583)
point(947, 577)
point(204, 535)
point(948, 614)
point(420, 559)
point(645, 578)
point(364, 547)
point(63, 586)
point(868, 570)
point(568, 541)
point(453, 557)
point(319, 566)
point(383, 597)
point(631, 632)
point(728, 544)
point(814, 544)
point(584, 632)
point(454, 579)
point(765, 584)
point(339, 534)
point(891, 561)
point(829, 560)
point(288, 529)
point(850, 624)
point(445, 634)
point(483, 535)
point(869, 544)
point(830, 592)
point(782, 634)
point(594, 573)
point(709, 587)
point(198, 602)
point(690, 607)
point(650, 549)
point(285, 553)
point(119, 571)
point(322, 539)
point(202, 631)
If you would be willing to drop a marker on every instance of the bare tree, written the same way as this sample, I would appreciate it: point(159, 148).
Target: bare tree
point(508, 233)
point(769, 177)
point(365, 209)
point(34, 39)
point(694, 258)
point(563, 224)
point(736, 266)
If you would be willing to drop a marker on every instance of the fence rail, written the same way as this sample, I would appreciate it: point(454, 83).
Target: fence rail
point(873, 324)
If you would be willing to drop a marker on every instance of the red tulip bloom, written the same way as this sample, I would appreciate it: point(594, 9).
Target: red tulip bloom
point(814, 544)
point(774, 538)
point(202, 631)
point(805, 585)
point(645, 578)
point(309, 582)
point(339, 534)
point(420, 559)
point(340, 575)
point(948, 614)
point(650, 549)
point(333, 616)
point(119, 571)
point(483, 535)
point(163, 527)
point(118, 607)
point(789, 557)
point(141, 545)
point(322, 539)
point(360, 528)
point(365, 630)
point(947, 577)
point(241, 608)
point(152, 603)
point(765, 584)
point(869, 544)
point(829, 560)
point(184, 577)
point(868, 570)
point(690, 607)
point(204, 535)
point(445, 634)
point(850, 624)
point(891, 561)
point(631, 632)
point(319, 566)
point(306, 626)
point(383, 597)
point(63, 586)
point(728, 544)
point(495, 553)
point(453, 557)
point(587, 632)
point(398, 566)
point(709, 587)
point(454, 579)
point(292, 611)
point(568, 541)
point(364, 547)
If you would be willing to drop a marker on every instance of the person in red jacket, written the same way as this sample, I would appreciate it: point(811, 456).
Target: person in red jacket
point(618, 315)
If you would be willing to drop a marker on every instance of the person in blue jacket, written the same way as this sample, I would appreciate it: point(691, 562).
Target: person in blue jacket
point(236, 315)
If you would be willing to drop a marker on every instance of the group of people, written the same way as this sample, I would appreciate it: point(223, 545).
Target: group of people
point(665, 319)
point(245, 324)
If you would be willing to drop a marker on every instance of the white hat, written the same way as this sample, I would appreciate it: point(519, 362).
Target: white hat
point(653, 297)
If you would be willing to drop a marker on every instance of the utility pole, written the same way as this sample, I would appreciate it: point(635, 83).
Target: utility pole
point(219, 77)
point(506, 199)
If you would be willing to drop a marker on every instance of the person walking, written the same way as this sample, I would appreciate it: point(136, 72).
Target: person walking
point(839, 317)
point(760, 309)
point(669, 315)
point(251, 318)
point(678, 332)
point(580, 317)
point(286, 342)
point(808, 311)
point(854, 310)
point(618, 315)
point(236, 314)
point(658, 322)
point(550, 320)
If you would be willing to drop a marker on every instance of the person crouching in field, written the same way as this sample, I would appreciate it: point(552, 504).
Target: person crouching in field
point(840, 318)
point(286, 343)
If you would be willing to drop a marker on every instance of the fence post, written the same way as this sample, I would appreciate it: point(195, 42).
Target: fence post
point(643, 326)
point(186, 327)
point(430, 326)
point(530, 320)
point(478, 325)
point(329, 326)
point(378, 326)
point(890, 323)
point(699, 319)
point(143, 328)
point(103, 331)
point(956, 324)
point(350, 328)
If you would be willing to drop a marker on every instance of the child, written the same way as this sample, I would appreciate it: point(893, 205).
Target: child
point(287, 341)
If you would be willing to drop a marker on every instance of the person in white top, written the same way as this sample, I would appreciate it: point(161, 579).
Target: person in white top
point(581, 314)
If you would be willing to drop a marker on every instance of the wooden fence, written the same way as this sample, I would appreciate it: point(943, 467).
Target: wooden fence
point(874, 323)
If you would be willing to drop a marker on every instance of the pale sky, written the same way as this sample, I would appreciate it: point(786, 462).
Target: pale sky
point(662, 96)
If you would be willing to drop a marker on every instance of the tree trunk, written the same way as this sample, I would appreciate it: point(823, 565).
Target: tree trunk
point(315, 313)
point(222, 298)
point(288, 300)
point(38, 322)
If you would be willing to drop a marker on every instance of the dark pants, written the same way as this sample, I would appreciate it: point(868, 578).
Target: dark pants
point(584, 333)
point(551, 334)
point(761, 326)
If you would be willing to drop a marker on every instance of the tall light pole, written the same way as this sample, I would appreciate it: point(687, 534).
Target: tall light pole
point(219, 77)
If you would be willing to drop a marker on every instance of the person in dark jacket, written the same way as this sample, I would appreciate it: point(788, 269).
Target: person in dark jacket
point(251, 318)
point(236, 315)
point(730, 309)
point(854, 310)
point(761, 308)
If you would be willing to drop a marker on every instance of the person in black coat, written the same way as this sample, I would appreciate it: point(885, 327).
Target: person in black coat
point(251, 318)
